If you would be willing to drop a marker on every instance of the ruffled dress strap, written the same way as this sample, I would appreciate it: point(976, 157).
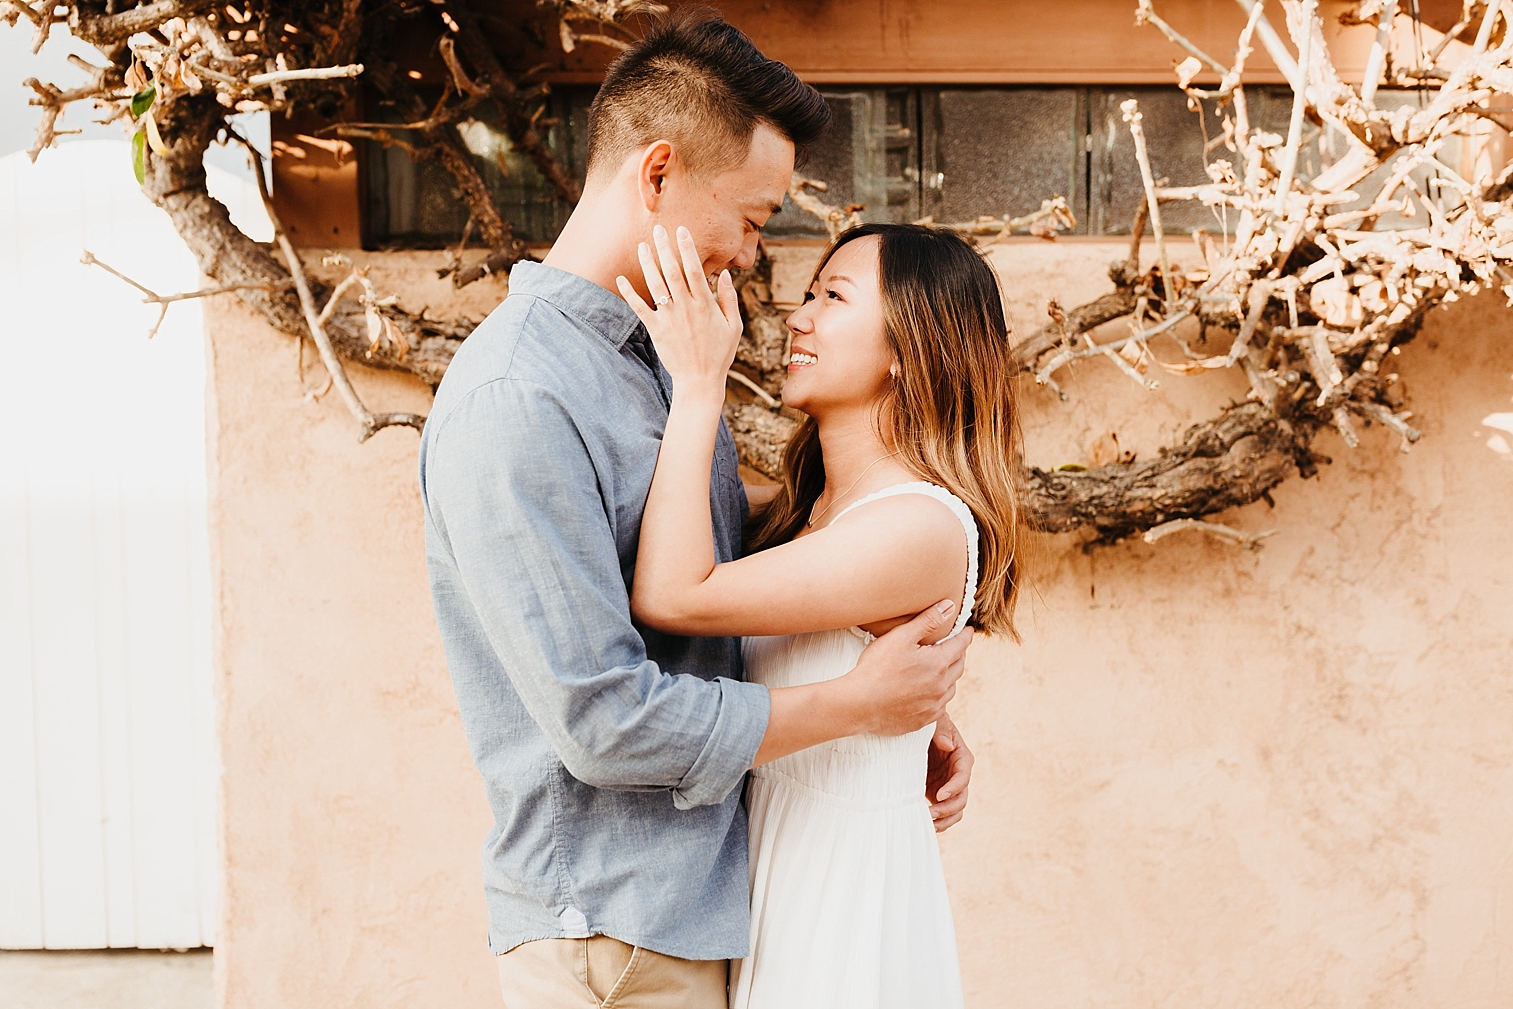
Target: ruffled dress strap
point(968, 523)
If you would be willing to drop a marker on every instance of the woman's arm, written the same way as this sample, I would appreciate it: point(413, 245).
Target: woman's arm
point(877, 566)
point(695, 333)
point(899, 683)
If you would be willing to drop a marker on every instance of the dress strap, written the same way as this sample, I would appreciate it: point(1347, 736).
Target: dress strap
point(968, 523)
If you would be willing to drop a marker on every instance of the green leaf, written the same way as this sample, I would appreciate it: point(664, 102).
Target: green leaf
point(142, 101)
point(139, 156)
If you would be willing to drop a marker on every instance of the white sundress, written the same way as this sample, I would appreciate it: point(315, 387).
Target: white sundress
point(848, 900)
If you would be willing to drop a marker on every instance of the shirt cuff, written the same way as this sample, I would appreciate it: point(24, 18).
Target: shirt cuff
point(731, 747)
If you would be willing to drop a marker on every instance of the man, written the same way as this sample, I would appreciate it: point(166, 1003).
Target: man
point(613, 756)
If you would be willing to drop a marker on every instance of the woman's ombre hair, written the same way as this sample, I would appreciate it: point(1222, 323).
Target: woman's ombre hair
point(951, 412)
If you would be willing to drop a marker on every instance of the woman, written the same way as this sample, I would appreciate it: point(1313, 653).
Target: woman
point(898, 491)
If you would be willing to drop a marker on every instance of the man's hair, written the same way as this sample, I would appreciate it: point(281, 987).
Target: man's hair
point(700, 83)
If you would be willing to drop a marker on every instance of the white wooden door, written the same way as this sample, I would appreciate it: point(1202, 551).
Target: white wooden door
point(107, 756)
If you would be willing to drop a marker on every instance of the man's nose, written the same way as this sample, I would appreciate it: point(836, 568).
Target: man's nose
point(746, 255)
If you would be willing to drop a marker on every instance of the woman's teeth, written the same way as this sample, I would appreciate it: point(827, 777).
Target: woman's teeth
point(801, 359)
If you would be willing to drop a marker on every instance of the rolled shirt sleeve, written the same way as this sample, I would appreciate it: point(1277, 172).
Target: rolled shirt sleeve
point(513, 492)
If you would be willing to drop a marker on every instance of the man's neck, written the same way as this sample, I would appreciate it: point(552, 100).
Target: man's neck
point(598, 243)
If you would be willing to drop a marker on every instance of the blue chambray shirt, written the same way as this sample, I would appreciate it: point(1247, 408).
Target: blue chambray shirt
point(612, 755)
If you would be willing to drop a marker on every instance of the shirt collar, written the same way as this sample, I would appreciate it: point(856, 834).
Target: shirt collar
point(605, 313)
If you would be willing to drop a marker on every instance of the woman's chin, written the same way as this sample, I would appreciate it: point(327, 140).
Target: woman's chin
point(794, 399)
point(792, 394)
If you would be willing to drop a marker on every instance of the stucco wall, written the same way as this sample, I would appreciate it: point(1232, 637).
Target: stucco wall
point(351, 816)
point(1209, 777)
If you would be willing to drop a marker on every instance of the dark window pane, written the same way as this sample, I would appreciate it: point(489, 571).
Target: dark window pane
point(418, 204)
point(1174, 138)
point(1426, 176)
point(1001, 151)
point(867, 156)
point(902, 153)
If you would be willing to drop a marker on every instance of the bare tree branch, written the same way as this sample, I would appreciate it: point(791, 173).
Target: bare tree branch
point(53, 101)
point(1248, 540)
point(1131, 110)
point(835, 219)
point(316, 321)
point(519, 122)
point(309, 74)
point(108, 29)
point(164, 300)
point(1223, 463)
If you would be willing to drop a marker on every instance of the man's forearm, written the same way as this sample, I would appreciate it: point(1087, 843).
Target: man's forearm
point(806, 716)
point(897, 686)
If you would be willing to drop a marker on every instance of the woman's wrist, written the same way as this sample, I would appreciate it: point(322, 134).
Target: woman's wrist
point(705, 396)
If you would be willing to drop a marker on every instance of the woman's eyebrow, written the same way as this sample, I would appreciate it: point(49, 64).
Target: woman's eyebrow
point(838, 277)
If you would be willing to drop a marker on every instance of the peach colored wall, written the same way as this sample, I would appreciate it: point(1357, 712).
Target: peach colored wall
point(351, 815)
point(1209, 777)
point(1282, 778)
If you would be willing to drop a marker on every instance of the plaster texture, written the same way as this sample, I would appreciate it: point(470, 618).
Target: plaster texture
point(351, 815)
point(1220, 777)
point(1208, 776)
point(105, 979)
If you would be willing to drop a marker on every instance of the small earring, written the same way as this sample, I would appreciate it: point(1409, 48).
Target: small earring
point(893, 372)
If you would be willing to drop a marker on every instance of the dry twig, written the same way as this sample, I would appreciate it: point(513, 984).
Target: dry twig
point(151, 297)
point(835, 219)
point(1132, 116)
point(316, 319)
point(1248, 540)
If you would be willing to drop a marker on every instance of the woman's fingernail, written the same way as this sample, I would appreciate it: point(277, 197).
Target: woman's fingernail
point(943, 796)
point(659, 231)
point(945, 607)
point(683, 232)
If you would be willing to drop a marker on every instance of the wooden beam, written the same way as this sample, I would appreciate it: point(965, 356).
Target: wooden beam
point(315, 184)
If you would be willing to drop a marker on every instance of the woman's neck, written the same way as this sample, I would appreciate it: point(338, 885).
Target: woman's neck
point(857, 461)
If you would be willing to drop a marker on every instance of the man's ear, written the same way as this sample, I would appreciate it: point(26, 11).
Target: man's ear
point(656, 165)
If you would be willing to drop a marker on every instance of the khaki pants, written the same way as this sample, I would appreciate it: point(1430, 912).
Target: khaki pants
point(605, 973)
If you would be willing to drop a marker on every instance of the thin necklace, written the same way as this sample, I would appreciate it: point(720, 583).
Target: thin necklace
point(813, 518)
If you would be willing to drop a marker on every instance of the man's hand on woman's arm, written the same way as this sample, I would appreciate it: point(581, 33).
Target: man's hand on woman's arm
point(898, 686)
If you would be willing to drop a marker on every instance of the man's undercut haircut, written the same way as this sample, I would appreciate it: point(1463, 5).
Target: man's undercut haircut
point(701, 84)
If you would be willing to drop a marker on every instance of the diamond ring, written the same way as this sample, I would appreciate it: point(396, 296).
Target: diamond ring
point(666, 299)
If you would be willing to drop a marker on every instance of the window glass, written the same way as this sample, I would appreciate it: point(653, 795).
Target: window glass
point(868, 156)
point(1001, 151)
point(418, 205)
point(1453, 154)
point(1175, 139)
point(902, 153)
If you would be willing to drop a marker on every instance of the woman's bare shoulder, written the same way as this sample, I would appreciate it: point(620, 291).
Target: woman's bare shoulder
point(919, 526)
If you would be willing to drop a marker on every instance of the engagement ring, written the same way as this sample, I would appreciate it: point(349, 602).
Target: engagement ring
point(664, 300)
